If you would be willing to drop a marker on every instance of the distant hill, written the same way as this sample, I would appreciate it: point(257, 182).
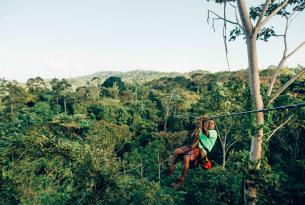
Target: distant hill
point(134, 76)
point(139, 76)
point(144, 76)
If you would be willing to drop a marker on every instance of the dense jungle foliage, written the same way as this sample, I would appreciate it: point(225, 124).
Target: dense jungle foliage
point(111, 141)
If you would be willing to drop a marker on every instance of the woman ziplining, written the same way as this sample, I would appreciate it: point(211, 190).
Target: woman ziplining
point(205, 137)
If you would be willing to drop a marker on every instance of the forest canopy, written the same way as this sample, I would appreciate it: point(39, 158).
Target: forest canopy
point(109, 141)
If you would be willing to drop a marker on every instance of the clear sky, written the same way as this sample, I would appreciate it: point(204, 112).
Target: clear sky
point(67, 38)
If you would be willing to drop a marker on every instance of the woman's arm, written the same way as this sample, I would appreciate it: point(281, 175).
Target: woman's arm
point(195, 144)
point(196, 134)
point(195, 131)
point(205, 130)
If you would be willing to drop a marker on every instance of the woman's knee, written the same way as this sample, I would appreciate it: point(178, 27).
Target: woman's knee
point(187, 158)
point(178, 151)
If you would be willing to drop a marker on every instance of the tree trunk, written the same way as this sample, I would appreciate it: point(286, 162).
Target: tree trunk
point(12, 104)
point(165, 125)
point(56, 105)
point(141, 171)
point(224, 145)
point(142, 103)
point(223, 156)
point(12, 108)
point(65, 104)
point(159, 167)
point(255, 153)
point(256, 143)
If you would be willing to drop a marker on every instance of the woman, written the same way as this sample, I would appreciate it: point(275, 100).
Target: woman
point(205, 138)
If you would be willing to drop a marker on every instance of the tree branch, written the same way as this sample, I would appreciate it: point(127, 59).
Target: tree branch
point(259, 26)
point(227, 131)
point(289, 82)
point(261, 16)
point(292, 19)
point(230, 145)
point(236, 16)
point(219, 17)
point(279, 127)
point(221, 142)
point(284, 58)
point(224, 34)
point(296, 49)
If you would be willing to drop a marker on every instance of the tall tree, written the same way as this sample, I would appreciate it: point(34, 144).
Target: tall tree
point(109, 82)
point(94, 85)
point(61, 88)
point(34, 84)
point(12, 95)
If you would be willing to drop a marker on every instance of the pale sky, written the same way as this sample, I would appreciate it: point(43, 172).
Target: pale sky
point(68, 38)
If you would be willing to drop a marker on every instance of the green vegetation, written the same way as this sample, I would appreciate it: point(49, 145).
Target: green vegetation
point(109, 141)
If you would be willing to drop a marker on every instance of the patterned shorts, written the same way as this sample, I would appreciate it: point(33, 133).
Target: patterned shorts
point(192, 152)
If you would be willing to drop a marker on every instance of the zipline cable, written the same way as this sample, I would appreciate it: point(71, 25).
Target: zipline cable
point(251, 111)
point(262, 110)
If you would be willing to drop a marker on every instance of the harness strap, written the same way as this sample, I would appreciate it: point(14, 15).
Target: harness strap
point(204, 147)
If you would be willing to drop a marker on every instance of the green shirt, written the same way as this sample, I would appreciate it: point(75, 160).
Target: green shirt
point(208, 141)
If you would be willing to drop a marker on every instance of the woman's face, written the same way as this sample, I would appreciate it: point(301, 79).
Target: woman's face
point(211, 124)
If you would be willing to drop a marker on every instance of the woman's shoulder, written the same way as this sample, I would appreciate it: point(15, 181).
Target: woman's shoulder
point(213, 133)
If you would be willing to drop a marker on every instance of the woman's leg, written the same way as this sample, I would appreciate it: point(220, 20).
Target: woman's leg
point(176, 154)
point(192, 155)
point(186, 167)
